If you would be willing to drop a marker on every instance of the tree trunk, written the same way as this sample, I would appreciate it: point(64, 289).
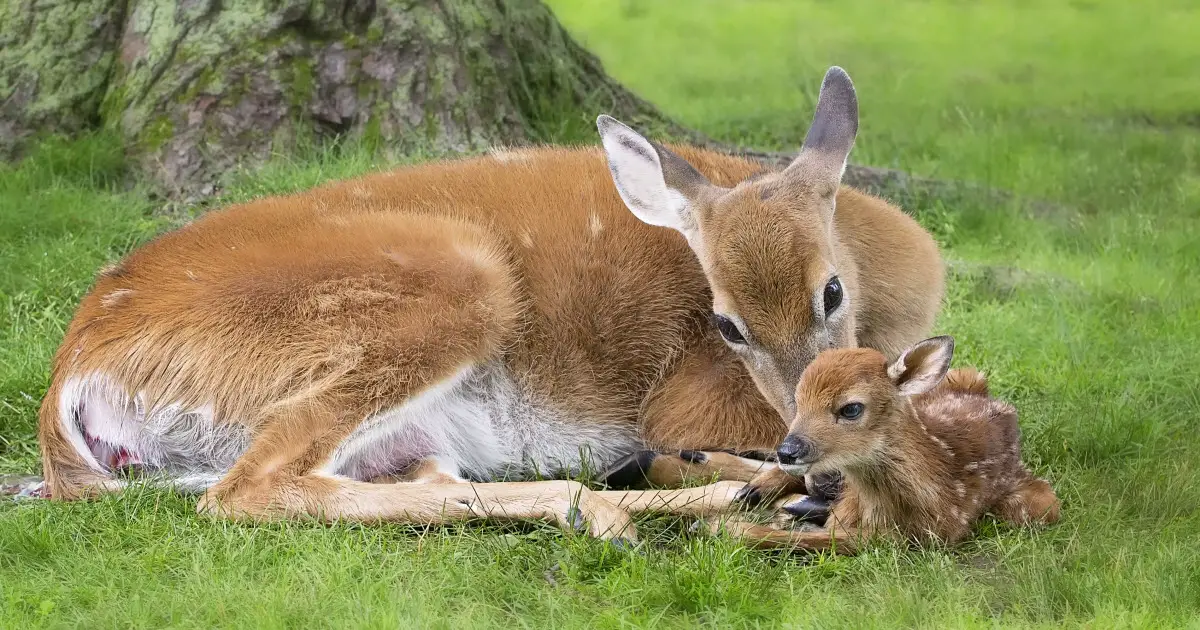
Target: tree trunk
point(194, 87)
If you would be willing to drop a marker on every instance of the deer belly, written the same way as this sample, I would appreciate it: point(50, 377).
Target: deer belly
point(478, 422)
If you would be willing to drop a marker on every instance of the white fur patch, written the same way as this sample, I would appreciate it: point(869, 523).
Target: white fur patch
point(594, 225)
point(186, 447)
point(478, 425)
point(115, 298)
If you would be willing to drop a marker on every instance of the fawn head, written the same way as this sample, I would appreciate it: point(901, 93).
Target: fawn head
point(766, 245)
point(850, 400)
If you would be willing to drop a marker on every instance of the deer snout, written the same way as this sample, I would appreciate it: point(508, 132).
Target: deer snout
point(795, 453)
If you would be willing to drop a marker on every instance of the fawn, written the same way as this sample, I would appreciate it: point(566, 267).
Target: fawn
point(924, 452)
point(503, 316)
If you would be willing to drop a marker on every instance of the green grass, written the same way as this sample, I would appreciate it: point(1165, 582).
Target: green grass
point(1079, 297)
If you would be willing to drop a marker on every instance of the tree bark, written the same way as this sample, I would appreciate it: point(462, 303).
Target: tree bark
point(55, 61)
point(194, 87)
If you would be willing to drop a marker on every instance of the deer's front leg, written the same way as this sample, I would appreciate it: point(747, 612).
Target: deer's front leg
point(676, 469)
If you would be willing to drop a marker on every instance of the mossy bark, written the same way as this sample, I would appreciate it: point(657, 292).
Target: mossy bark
point(197, 86)
point(55, 61)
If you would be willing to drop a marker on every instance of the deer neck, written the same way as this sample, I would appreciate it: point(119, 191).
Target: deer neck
point(907, 479)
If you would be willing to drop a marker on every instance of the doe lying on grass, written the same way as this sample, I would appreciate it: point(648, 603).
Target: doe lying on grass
point(515, 316)
point(924, 451)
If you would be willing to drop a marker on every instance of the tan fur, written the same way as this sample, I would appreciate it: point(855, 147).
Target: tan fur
point(921, 468)
point(298, 316)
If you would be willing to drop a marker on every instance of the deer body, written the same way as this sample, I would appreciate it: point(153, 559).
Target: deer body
point(922, 458)
point(481, 319)
point(955, 458)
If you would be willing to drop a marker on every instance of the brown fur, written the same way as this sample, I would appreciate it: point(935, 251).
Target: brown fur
point(921, 468)
point(298, 316)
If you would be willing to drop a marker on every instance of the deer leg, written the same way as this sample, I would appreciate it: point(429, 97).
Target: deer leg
point(1033, 501)
point(709, 500)
point(284, 474)
point(431, 470)
point(769, 485)
point(644, 468)
point(565, 503)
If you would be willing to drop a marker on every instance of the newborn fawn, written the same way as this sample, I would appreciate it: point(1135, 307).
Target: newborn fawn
point(923, 453)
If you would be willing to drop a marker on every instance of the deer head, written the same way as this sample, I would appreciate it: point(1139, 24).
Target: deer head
point(766, 245)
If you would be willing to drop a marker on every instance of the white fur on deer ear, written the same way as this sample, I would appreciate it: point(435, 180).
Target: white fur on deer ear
point(922, 366)
point(831, 135)
point(659, 187)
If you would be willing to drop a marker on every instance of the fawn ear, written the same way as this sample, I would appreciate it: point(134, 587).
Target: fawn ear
point(659, 187)
point(922, 366)
point(831, 135)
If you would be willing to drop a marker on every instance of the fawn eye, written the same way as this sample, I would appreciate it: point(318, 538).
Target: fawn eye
point(833, 295)
point(851, 411)
point(729, 330)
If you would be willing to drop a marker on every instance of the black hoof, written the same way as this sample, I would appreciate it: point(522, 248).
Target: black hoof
point(827, 486)
point(751, 496)
point(762, 456)
point(693, 457)
point(809, 510)
point(630, 471)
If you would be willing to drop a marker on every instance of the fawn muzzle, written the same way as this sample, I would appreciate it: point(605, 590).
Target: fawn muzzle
point(796, 453)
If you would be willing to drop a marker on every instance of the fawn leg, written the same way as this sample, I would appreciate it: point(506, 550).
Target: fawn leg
point(1033, 501)
point(767, 537)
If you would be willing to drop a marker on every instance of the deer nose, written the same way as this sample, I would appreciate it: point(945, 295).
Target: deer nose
point(793, 449)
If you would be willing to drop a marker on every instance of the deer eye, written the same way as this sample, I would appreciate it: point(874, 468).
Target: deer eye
point(833, 295)
point(729, 330)
point(852, 411)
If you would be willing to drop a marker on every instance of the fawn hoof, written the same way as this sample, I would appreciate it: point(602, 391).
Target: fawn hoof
point(809, 510)
point(827, 486)
point(693, 457)
point(630, 471)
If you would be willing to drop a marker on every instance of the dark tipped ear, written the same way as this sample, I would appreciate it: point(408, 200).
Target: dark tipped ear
point(834, 127)
point(922, 366)
point(659, 187)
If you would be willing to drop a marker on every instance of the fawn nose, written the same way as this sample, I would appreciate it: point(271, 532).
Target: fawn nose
point(793, 449)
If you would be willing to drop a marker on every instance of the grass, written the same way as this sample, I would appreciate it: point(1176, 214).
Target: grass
point(1079, 297)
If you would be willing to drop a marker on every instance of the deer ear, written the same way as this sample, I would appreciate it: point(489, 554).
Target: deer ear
point(659, 187)
point(922, 366)
point(832, 132)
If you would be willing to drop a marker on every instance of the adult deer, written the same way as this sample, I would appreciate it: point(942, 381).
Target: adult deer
point(482, 319)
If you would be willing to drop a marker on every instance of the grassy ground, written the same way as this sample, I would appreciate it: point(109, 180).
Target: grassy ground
point(1079, 298)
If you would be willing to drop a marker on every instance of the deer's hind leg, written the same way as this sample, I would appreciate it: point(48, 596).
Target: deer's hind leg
point(283, 475)
point(565, 503)
point(399, 335)
point(1033, 501)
